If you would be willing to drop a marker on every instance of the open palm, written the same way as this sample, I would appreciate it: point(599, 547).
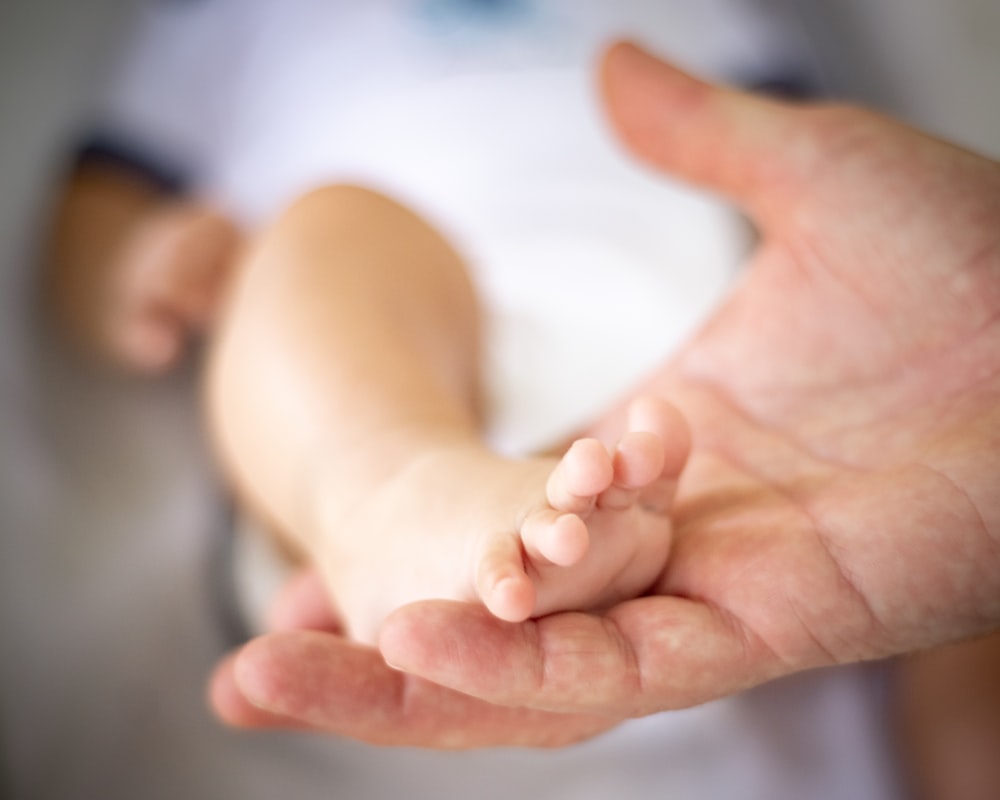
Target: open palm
point(843, 497)
point(844, 502)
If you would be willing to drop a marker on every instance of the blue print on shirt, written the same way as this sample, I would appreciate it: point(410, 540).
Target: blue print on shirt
point(486, 13)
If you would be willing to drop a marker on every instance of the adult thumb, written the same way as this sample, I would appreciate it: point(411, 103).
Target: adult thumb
point(753, 149)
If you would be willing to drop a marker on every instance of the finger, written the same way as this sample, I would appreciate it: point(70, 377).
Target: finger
point(232, 707)
point(738, 143)
point(326, 683)
point(192, 256)
point(303, 604)
point(646, 655)
point(149, 339)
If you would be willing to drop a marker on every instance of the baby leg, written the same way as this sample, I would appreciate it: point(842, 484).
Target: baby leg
point(342, 394)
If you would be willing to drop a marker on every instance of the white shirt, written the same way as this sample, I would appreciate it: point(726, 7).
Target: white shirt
point(483, 116)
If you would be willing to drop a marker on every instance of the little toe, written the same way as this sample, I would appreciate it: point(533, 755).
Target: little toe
point(584, 471)
point(501, 581)
point(553, 537)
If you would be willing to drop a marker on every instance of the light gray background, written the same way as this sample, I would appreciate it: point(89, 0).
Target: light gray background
point(935, 62)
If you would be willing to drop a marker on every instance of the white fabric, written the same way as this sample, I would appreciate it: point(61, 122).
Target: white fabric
point(487, 121)
point(591, 270)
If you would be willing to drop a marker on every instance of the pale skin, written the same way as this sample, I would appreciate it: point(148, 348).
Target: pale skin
point(354, 323)
point(134, 274)
point(776, 509)
point(390, 401)
point(839, 503)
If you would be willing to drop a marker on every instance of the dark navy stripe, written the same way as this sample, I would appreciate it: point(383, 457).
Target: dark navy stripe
point(115, 151)
point(787, 86)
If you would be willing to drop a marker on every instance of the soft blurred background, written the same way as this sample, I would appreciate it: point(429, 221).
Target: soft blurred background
point(74, 452)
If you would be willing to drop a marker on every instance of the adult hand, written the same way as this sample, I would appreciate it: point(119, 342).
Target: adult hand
point(843, 499)
point(841, 502)
point(305, 675)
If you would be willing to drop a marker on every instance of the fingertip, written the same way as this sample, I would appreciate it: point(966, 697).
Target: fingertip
point(150, 346)
point(290, 677)
point(223, 695)
point(232, 707)
point(250, 673)
point(637, 87)
point(624, 59)
point(740, 144)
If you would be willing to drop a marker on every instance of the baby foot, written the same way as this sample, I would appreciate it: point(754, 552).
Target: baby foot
point(525, 537)
point(604, 533)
